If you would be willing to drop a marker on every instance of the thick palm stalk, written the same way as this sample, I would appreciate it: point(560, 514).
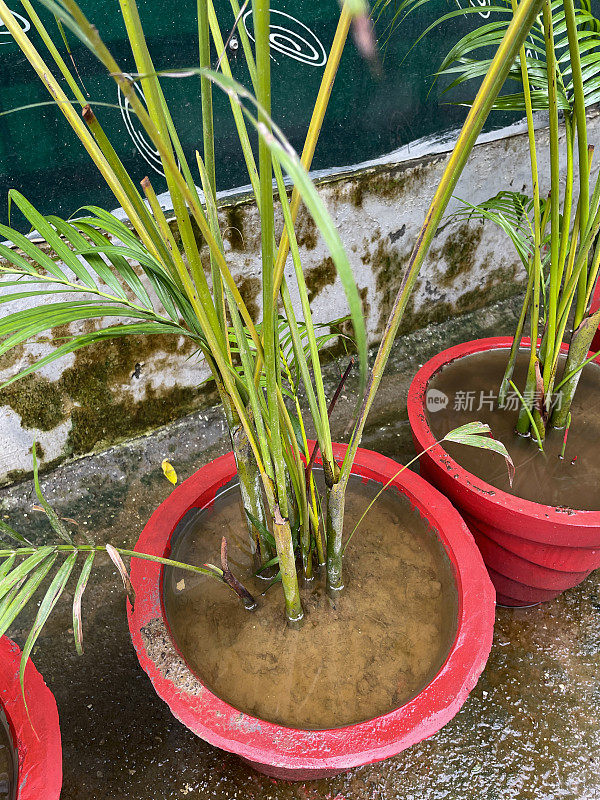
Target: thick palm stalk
point(577, 357)
point(336, 496)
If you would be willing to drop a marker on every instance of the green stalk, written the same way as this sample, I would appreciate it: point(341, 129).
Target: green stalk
point(248, 473)
point(96, 129)
point(568, 201)
point(235, 109)
point(208, 136)
point(579, 110)
point(104, 144)
point(154, 103)
point(75, 121)
point(287, 566)
point(554, 284)
point(523, 419)
point(516, 343)
point(492, 83)
point(318, 402)
point(314, 127)
point(281, 524)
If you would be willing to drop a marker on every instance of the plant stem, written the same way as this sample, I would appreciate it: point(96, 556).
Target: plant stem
point(523, 420)
point(233, 583)
point(335, 528)
point(578, 353)
point(554, 284)
point(279, 510)
point(579, 109)
point(250, 482)
point(208, 137)
point(516, 343)
point(287, 566)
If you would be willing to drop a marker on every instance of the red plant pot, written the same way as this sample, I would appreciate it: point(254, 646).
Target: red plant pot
point(533, 552)
point(304, 754)
point(36, 736)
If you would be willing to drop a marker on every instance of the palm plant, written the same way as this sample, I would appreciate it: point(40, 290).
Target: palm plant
point(91, 257)
point(555, 237)
point(142, 277)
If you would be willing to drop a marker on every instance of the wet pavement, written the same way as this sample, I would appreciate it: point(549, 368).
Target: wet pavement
point(530, 729)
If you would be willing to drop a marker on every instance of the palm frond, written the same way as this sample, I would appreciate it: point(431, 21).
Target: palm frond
point(24, 567)
point(469, 58)
point(510, 211)
point(98, 279)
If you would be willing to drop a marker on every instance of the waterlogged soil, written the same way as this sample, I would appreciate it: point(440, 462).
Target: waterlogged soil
point(7, 776)
point(361, 656)
point(471, 385)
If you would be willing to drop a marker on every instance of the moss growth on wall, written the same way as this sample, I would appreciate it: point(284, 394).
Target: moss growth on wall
point(459, 252)
point(38, 401)
point(319, 277)
point(99, 415)
point(250, 289)
point(382, 182)
point(98, 423)
point(388, 266)
point(12, 357)
point(234, 230)
point(307, 233)
point(500, 284)
point(90, 389)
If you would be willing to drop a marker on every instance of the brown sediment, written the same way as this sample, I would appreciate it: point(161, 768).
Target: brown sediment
point(572, 482)
point(7, 762)
point(355, 658)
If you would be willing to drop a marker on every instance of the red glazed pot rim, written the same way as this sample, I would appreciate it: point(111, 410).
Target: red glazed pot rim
point(36, 738)
point(489, 495)
point(352, 745)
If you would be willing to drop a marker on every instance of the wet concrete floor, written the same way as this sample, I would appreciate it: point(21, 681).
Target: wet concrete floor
point(530, 729)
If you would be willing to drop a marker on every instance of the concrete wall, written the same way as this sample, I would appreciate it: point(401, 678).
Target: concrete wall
point(115, 390)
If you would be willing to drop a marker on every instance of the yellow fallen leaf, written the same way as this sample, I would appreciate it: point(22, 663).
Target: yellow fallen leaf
point(169, 471)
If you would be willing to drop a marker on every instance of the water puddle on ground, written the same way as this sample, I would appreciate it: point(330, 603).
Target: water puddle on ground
point(369, 652)
point(7, 764)
point(471, 385)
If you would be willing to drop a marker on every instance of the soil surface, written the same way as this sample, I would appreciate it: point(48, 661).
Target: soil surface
point(383, 639)
point(7, 770)
point(471, 385)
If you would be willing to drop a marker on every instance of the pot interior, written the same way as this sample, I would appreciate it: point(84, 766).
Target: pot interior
point(467, 389)
point(354, 659)
point(8, 772)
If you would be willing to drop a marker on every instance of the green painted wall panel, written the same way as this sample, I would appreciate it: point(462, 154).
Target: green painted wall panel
point(369, 114)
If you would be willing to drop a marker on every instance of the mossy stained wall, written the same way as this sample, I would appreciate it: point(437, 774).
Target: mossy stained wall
point(116, 390)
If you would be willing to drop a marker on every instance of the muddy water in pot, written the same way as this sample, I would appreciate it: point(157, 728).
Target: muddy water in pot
point(7, 762)
point(471, 385)
point(360, 657)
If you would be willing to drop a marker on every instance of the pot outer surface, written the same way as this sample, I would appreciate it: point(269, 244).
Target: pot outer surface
point(36, 738)
point(7, 761)
point(533, 551)
point(295, 754)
